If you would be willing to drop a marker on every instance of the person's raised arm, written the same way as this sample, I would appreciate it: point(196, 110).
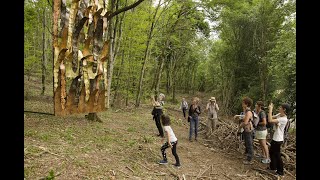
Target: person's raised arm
point(217, 107)
point(270, 117)
point(207, 107)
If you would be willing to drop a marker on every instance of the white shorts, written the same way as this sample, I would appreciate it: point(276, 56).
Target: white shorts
point(261, 134)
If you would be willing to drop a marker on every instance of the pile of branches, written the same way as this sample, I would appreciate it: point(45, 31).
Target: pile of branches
point(226, 136)
point(288, 151)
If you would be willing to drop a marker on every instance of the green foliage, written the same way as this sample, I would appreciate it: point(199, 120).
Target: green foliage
point(148, 139)
point(254, 54)
point(257, 51)
point(51, 176)
point(131, 129)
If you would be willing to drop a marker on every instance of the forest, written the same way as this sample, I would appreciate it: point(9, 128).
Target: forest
point(227, 49)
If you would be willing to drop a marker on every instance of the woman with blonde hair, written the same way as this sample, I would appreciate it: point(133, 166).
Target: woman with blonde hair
point(194, 112)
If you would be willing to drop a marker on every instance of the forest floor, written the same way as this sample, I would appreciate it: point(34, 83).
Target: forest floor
point(123, 146)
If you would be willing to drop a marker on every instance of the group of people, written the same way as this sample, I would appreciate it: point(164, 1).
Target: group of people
point(247, 127)
point(212, 109)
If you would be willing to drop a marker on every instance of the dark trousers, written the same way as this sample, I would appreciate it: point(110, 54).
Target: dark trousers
point(158, 124)
point(174, 151)
point(248, 143)
point(275, 156)
point(184, 112)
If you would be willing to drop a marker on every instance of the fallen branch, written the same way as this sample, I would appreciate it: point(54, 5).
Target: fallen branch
point(45, 150)
point(160, 174)
point(286, 171)
point(124, 173)
point(130, 169)
point(144, 167)
point(226, 175)
point(183, 177)
point(200, 174)
point(264, 171)
point(262, 176)
point(286, 156)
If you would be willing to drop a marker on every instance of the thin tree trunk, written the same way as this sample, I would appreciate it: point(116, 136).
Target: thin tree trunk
point(168, 78)
point(44, 61)
point(128, 79)
point(145, 59)
point(117, 48)
point(110, 59)
point(56, 14)
point(162, 59)
point(118, 76)
point(174, 74)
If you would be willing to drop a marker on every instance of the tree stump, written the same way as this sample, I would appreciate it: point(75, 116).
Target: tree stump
point(93, 117)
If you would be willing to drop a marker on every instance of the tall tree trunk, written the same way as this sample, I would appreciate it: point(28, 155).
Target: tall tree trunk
point(56, 14)
point(168, 78)
point(162, 59)
point(128, 78)
point(174, 74)
point(44, 61)
point(116, 48)
point(118, 76)
point(110, 59)
point(193, 79)
point(145, 59)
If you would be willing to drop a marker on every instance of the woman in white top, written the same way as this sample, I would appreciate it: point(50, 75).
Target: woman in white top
point(172, 141)
point(277, 139)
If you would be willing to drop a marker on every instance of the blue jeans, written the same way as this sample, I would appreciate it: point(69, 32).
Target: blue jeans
point(194, 123)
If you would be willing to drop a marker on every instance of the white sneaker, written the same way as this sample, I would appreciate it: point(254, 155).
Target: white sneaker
point(265, 161)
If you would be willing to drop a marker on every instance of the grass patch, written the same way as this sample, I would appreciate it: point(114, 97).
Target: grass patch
point(131, 129)
point(44, 137)
point(131, 142)
point(81, 163)
point(30, 133)
point(148, 139)
point(50, 176)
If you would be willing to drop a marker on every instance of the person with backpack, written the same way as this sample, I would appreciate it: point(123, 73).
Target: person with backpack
point(157, 112)
point(212, 109)
point(261, 131)
point(278, 137)
point(246, 124)
point(194, 112)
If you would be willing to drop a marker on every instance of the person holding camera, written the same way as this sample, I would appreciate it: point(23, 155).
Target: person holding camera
point(157, 112)
point(212, 109)
point(194, 112)
point(278, 137)
point(184, 107)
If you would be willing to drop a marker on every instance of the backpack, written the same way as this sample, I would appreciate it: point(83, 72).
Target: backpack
point(269, 125)
point(287, 127)
point(255, 120)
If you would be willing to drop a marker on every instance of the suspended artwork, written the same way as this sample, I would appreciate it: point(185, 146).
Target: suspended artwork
point(80, 57)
